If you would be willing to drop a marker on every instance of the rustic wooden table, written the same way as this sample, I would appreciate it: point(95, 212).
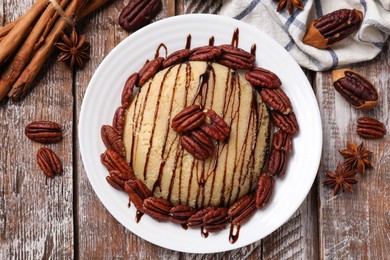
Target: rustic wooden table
point(63, 218)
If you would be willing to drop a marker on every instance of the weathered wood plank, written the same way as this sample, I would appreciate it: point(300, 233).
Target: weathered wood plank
point(36, 214)
point(355, 225)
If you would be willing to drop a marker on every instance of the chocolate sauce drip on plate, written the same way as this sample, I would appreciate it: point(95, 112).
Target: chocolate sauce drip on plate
point(211, 41)
point(235, 37)
point(162, 45)
point(188, 42)
point(204, 232)
point(138, 216)
point(253, 49)
point(234, 237)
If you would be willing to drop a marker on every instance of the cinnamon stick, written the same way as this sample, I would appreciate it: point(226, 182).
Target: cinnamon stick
point(30, 45)
point(13, 39)
point(22, 85)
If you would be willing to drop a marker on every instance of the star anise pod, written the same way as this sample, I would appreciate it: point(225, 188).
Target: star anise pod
point(356, 157)
point(290, 5)
point(73, 48)
point(341, 179)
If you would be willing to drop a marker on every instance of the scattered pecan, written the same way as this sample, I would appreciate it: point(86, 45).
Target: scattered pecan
point(112, 140)
point(157, 208)
point(137, 192)
point(370, 128)
point(180, 214)
point(215, 219)
point(277, 100)
point(127, 92)
point(138, 13)
point(263, 78)
point(44, 131)
point(282, 141)
point(114, 162)
point(277, 162)
point(198, 144)
point(188, 119)
point(242, 209)
point(215, 126)
point(264, 190)
point(236, 58)
point(176, 57)
point(118, 123)
point(332, 28)
point(355, 88)
point(205, 53)
point(196, 220)
point(287, 123)
point(49, 162)
point(149, 70)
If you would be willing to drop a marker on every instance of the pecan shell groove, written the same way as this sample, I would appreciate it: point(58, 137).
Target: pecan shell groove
point(263, 78)
point(264, 190)
point(112, 140)
point(215, 126)
point(277, 100)
point(198, 144)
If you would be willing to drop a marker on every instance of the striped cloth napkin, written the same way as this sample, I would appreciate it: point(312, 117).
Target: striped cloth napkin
point(289, 30)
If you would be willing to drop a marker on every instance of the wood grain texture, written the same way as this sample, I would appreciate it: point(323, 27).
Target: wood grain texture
point(355, 225)
point(36, 214)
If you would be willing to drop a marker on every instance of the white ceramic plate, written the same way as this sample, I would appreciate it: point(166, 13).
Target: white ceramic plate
point(103, 96)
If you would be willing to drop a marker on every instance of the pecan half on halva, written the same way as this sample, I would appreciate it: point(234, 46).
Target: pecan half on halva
point(188, 119)
point(112, 140)
point(370, 128)
point(263, 78)
point(355, 88)
point(332, 28)
point(198, 144)
point(44, 131)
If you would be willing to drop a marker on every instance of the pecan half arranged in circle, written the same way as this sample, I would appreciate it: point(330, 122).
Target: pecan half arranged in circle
point(196, 220)
point(180, 214)
point(277, 100)
point(215, 126)
point(332, 28)
point(370, 128)
point(188, 119)
point(149, 70)
point(205, 53)
point(44, 131)
point(118, 122)
point(198, 144)
point(277, 162)
point(117, 179)
point(263, 78)
point(127, 92)
point(137, 192)
point(112, 140)
point(138, 13)
point(236, 58)
point(287, 123)
point(113, 161)
point(242, 209)
point(176, 57)
point(215, 219)
point(264, 190)
point(49, 162)
point(157, 208)
point(355, 88)
point(282, 141)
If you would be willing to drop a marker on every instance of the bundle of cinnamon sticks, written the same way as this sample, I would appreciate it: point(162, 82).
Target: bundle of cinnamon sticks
point(27, 42)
